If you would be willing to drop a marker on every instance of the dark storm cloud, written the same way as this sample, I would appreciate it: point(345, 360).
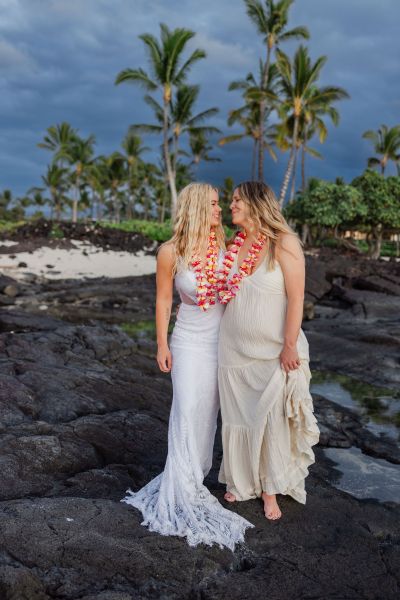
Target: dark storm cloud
point(59, 59)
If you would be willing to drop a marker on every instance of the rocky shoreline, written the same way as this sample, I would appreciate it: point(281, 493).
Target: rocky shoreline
point(84, 416)
point(41, 232)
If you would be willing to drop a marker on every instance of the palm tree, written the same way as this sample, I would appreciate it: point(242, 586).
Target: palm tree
point(314, 125)
point(55, 182)
point(271, 22)
point(58, 139)
point(225, 195)
point(386, 142)
point(116, 175)
point(201, 148)
point(248, 116)
point(79, 154)
point(134, 149)
point(168, 71)
point(181, 119)
point(311, 124)
point(96, 177)
point(6, 200)
point(38, 200)
point(302, 97)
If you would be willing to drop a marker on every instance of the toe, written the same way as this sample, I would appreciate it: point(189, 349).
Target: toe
point(229, 497)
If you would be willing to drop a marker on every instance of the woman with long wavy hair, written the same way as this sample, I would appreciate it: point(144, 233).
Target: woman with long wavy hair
point(268, 426)
point(176, 502)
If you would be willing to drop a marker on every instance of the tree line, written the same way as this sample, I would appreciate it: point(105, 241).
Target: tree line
point(284, 107)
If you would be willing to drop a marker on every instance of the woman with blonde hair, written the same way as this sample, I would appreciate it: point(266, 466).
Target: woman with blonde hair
point(268, 426)
point(176, 502)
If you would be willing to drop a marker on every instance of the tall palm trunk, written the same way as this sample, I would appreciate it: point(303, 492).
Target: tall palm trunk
point(57, 204)
point(167, 158)
point(131, 202)
point(293, 190)
point(116, 205)
point(303, 168)
point(75, 201)
point(254, 159)
point(175, 154)
point(100, 204)
point(262, 117)
point(289, 168)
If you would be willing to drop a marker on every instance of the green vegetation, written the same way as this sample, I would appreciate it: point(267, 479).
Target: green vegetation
point(56, 233)
point(10, 226)
point(175, 115)
point(160, 232)
point(283, 109)
point(371, 205)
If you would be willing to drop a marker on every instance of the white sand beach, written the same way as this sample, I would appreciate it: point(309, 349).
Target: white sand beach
point(84, 260)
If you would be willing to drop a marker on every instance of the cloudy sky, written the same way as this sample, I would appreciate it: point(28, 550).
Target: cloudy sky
point(59, 59)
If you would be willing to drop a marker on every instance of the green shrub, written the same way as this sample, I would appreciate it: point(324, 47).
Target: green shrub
point(10, 226)
point(160, 232)
point(56, 233)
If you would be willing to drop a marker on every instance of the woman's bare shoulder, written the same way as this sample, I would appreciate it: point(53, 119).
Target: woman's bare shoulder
point(166, 253)
point(289, 243)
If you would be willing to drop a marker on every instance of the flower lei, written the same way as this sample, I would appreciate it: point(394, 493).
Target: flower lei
point(207, 280)
point(212, 284)
point(228, 288)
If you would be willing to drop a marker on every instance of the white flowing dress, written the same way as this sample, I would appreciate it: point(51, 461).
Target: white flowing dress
point(268, 425)
point(176, 502)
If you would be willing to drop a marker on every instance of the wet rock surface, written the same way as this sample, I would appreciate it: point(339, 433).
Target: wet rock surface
point(84, 415)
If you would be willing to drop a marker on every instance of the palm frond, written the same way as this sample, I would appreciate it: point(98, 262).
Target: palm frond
point(205, 114)
point(231, 138)
point(294, 34)
point(145, 128)
point(135, 76)
point(193, 58)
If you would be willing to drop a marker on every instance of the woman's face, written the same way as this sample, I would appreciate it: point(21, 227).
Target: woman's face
point(240, 210)
point(215, 209)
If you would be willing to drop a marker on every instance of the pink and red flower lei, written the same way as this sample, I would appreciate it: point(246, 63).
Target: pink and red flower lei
point(213, 284)
point(206, 282)
point(228, 288)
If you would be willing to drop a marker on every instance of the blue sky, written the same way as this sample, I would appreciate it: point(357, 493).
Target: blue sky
point(59, 59)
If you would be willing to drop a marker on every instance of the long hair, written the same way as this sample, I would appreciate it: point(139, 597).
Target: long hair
point(193, 223)
point(265, 213)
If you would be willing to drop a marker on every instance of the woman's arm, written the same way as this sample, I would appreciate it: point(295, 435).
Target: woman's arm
point(291, 258)
point(164, 279)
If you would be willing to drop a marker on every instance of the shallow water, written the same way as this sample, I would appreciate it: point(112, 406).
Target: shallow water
point(363, 476)
point(358, 474)
point(380, 407)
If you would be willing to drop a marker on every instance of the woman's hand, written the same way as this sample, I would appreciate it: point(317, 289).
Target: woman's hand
point(289, 359)
point(164, 358)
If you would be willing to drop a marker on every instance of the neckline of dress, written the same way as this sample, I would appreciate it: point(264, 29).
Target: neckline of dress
point(221, 255)
point(255, 270)
point(258, 267)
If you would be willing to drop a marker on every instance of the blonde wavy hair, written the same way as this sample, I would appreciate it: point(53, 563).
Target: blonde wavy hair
point(192, 223)
point(265, 213)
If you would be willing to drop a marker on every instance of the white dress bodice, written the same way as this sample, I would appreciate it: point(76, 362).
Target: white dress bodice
point(192, 323)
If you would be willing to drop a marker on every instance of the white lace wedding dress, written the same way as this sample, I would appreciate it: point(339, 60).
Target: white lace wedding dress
point(176, 502)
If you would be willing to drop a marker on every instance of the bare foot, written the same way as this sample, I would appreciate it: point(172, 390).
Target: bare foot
point(271, 508)
point(230, 497)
